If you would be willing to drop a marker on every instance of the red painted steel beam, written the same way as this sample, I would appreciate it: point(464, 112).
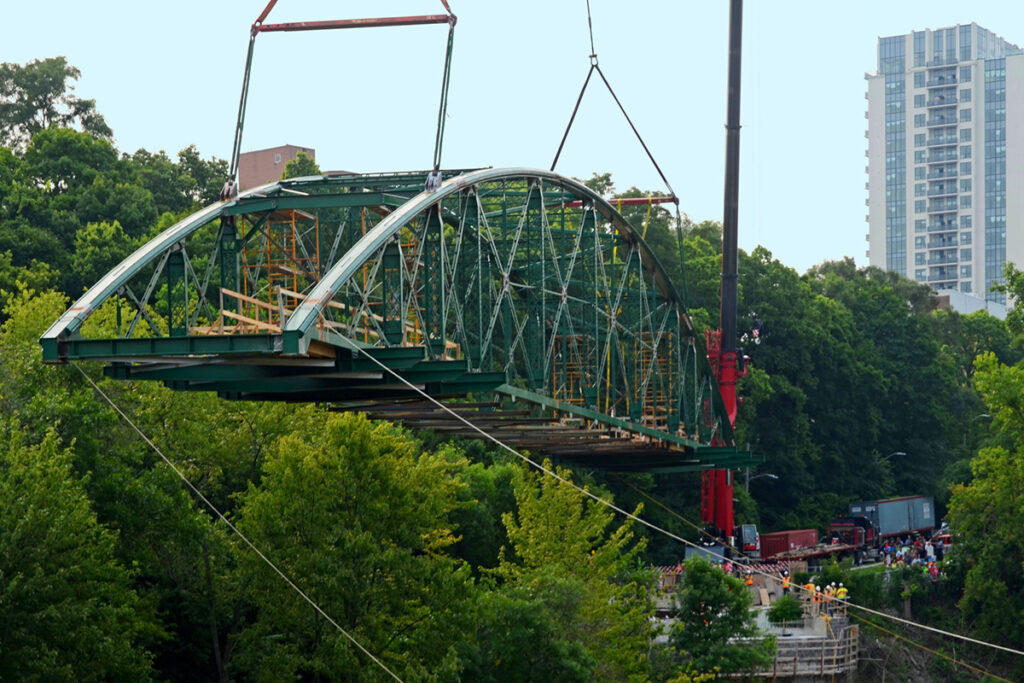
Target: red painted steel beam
point(265, 12)
point(355, 23)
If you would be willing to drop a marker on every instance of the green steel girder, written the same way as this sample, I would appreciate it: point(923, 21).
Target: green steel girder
point(158, 347)
point(517, 283)
point(287, 202)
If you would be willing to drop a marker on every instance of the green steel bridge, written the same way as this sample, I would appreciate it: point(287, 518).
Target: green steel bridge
point(518, 298)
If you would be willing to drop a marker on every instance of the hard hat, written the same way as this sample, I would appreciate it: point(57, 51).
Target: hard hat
point(817, 588)
point(840, 585)
point(833, 583)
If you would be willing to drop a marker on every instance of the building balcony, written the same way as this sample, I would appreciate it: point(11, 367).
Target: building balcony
point(942, 283)
point(941, 101)
point(942, 243)
point(942, 205)
point(946, 226)
point(942, 191)
point(941, 142)
point(945, 172)
point(939, 155)
point(940, 81)
point(941, 260)
point(946, 120)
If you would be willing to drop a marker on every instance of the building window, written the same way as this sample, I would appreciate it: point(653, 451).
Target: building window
point(919, 205)
point(918, 120)
point(966, 222)
point(965, 238)
point(919, 258)
point(965, 254)
point(919, 190)
point(965, 115)
point(965, 287)
point(920, 274)
point(920, 156)
point(965, 74)
point(920, 225)
point(277, 158)
point(919, 48)
point(919, 173)
point(919, 140)
point(965, 271)
point(965, 168)
point(965, 151)
point(965, 185)
point(918, 100)
point(919, 79)
point(919, 242)
point(965, 43)
point(965, 135)
point(965, 202)
point(965, 94)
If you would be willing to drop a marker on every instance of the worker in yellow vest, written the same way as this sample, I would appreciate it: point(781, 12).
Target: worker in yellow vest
point(842, 594)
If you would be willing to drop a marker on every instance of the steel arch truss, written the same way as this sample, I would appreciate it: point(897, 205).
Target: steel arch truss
point(518, 296)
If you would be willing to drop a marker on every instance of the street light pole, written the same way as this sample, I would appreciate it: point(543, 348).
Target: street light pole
point(968, 425)
point(749, 478)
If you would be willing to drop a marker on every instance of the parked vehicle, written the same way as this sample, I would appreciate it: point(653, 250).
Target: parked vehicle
point(859, 534)
point(898, 516)
point(779, 543)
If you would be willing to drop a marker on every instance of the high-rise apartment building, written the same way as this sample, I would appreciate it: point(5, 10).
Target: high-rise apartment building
point(946, 158)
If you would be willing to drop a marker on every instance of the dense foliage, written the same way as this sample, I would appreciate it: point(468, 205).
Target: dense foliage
point(445, 560)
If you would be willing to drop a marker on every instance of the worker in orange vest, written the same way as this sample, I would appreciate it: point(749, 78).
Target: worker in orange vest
point(750, 578)
point(816, 601)
point(785, 583)
point(828, 592)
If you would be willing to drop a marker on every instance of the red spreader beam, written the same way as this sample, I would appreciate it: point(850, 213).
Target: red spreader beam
point(354, 23)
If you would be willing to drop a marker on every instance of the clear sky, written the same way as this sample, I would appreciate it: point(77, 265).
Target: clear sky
point(168, 74)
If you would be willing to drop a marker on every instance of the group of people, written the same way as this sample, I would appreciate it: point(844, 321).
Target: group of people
point(830, 600)
point(914, 552)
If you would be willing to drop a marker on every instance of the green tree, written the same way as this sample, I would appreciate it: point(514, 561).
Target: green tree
point(516, 638)
point(98, 248)
point(38, 95)
point(713, 621)
point(565, 548)
point(300, 166)
point(208, 175)
point(169, 183)
point(35, 276)
point(67, 612)
point(360, 519)
point(486, 498)
point(986, 513)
